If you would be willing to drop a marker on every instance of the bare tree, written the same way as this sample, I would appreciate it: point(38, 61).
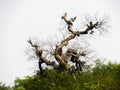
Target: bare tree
point(60, 56)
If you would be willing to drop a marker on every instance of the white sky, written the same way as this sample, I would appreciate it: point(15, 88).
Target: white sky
point(20, 19)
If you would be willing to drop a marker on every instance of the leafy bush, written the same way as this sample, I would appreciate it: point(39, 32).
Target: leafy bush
point(102, 77)
point(3, 86)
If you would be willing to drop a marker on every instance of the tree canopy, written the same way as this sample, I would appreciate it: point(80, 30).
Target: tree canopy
point(68, 69)
point(101, 77)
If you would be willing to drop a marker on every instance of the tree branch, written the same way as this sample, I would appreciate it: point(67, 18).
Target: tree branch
point(58, 51)
point(39, 55)
point(59, 55)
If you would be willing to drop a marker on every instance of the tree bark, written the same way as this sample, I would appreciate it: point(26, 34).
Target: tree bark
point(59, 55)
point(41, 58)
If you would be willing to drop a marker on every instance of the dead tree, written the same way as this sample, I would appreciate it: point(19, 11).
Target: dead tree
point(73, 55)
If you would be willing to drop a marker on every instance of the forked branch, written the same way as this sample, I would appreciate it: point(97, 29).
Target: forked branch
point(61, 56)
point(41, 58)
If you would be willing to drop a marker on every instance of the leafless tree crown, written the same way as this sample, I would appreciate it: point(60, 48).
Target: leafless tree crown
point(61, 58)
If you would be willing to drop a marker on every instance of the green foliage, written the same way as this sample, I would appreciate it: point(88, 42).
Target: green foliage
point(20, 88)
point(102, 77)
point(4, 87)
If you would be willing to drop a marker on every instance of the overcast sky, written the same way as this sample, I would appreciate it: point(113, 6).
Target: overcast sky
point(20, 19)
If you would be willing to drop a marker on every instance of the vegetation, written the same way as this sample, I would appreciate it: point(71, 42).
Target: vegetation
point(63, 65)
point(4, 87)
point(70, 52)
point(67, 60)
point(101, 77)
